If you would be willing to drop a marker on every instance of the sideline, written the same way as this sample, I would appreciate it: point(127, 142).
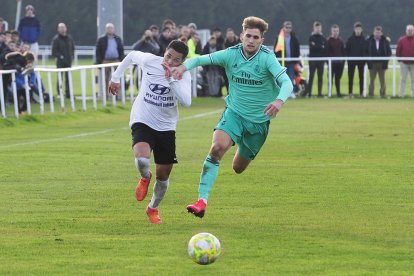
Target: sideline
point(86, 134)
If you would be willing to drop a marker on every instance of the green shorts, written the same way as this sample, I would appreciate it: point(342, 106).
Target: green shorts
point(248, 136)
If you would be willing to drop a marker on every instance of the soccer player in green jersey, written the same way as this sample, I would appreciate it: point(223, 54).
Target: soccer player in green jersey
point(258, 87)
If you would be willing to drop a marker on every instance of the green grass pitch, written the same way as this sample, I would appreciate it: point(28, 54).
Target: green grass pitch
point(330, 193)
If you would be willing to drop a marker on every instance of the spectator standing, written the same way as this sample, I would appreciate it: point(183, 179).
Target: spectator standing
point(63, 50)
point(193, 29)
point(219, 38)
point(173, 28)
point(317, 49)
point(29, 29)
point(231, 38)
point(15, 37)
point(192, 45)
point(378, 46)
point(292, 49)
point(17, 60)
point(405, 48)
point(8, 36)
point(155, 32)
point(212, 74)
point(355, 47)
point(2, 42)
point(185, 32)
point(109, 48)
point(5, 64)
point(335, 47)
point(164, 39)
point(147, 44)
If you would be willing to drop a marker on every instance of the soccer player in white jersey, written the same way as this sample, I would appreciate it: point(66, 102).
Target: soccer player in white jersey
point(258, 88)
point(154, 116)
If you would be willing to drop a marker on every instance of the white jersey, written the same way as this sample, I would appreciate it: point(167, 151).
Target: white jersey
point(157, 102)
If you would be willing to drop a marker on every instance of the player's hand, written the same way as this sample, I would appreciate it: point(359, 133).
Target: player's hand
point(273, 108)
point(167, 70)
point(177, 72)
point(113, 88)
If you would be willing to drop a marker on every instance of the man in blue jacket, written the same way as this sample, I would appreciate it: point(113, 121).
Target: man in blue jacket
point(29, 29)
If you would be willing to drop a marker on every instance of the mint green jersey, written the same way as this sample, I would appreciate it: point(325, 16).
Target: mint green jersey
point(253, 83)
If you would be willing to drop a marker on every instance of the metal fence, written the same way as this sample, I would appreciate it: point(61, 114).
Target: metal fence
point(96, 73)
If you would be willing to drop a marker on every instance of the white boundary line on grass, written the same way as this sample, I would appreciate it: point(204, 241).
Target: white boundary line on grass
point(86, 134)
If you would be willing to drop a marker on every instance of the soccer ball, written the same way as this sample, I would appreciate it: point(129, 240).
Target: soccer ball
point(204, 248)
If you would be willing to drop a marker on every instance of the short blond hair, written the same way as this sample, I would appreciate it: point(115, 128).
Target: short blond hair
point(253, 22)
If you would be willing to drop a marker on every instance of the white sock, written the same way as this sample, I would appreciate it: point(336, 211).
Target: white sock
point(142, 165)
point(160, 188)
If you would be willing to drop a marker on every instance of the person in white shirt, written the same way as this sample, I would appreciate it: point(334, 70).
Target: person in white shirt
point(154, 117)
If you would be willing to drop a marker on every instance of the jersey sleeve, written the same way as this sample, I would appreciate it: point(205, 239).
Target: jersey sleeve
point(217, 58)
point(182, 89)
point(281, 78)
point(134, 57)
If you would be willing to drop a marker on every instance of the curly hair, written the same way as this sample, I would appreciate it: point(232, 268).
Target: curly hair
point(253, 22)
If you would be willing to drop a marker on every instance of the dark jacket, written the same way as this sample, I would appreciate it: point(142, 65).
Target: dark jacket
point(147, 46)
point(228, 43)
point(63, 49)
point(294, 47)
point(335, 47)
point(163, 42)
point(207, 51)
point(317, 45)
point(220, 43)
point(384, 50)
point(356, 47)
point(29, 29)
point(102, 44)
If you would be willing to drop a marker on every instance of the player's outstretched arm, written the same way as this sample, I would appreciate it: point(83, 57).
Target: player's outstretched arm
point(191, 63)
point(113, 85)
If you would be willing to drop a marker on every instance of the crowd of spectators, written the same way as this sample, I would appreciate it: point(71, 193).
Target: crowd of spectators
point(155, 39)
point(19, 49)
point(376, 45)
point(211, 79)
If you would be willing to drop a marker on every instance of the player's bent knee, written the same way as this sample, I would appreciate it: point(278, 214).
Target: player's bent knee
point(238, 169)
point(162, 177)
point(217, 150)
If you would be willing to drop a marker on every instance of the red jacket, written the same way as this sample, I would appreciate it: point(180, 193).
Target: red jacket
point(405, 48)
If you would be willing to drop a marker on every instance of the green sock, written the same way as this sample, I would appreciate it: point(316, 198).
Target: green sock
point(208, 177)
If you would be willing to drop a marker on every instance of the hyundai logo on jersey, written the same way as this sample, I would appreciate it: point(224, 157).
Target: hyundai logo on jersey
point(159, 89)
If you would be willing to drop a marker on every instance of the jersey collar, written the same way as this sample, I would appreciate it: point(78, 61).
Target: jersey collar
point(252, 57)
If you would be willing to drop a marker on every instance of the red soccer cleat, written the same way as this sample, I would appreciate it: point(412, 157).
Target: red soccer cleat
point(142, 188)
point(153, 215)
point(198, 208)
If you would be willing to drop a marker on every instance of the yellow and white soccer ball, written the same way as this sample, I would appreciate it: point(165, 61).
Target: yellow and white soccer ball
point(204, 248)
